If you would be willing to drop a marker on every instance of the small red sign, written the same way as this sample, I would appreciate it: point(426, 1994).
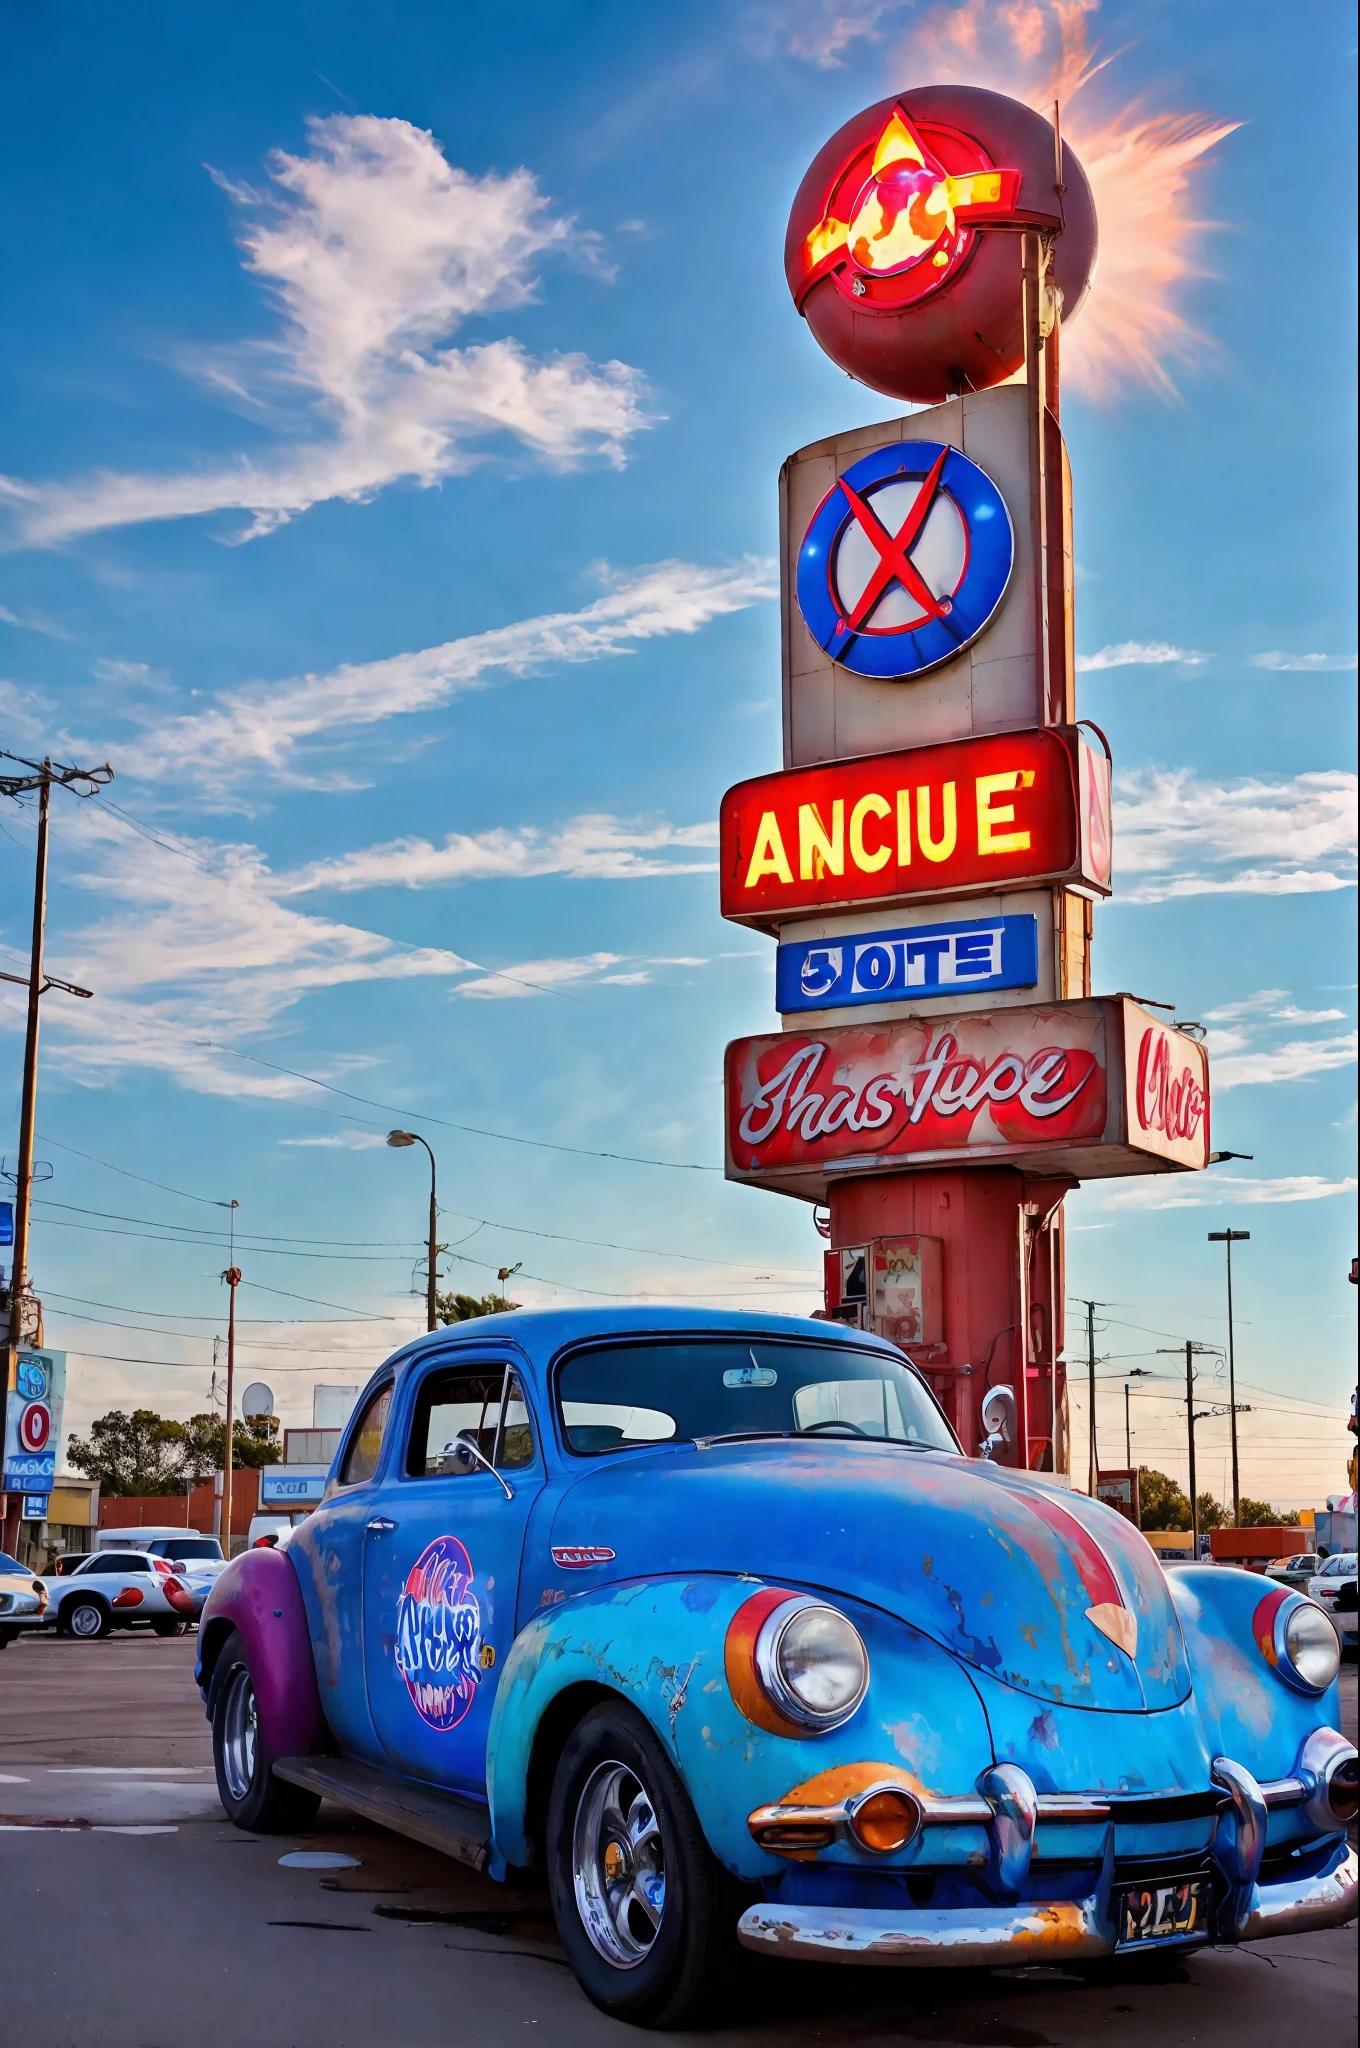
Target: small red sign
point(966, 816)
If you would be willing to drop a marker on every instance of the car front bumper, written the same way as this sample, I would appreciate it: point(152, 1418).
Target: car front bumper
point(1033, 1932)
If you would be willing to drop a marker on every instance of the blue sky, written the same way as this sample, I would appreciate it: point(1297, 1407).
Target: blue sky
point(392, 414)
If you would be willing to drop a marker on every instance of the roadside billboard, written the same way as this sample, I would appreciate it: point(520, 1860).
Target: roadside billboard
point(33, 1417)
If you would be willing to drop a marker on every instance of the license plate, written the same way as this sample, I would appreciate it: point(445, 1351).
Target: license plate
point(1163, 1912)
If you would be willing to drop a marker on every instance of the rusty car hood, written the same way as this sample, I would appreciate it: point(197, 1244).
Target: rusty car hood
point(1045, 1590)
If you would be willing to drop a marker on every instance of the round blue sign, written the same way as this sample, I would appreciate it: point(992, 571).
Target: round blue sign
point(905, 560)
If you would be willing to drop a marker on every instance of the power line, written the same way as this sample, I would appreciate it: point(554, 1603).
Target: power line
point(445, 1123)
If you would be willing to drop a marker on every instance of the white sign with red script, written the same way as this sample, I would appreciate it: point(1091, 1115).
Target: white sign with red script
point(1092, 1088)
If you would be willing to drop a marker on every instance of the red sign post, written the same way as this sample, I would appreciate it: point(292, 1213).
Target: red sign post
point(932, 756)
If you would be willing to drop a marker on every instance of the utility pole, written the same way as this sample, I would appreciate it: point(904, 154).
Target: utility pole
point(1190, 1419)
point(1094, 1461)
point(1128, 1433)
point(1228, 1238)
point(232, 1276)
point(41, 777)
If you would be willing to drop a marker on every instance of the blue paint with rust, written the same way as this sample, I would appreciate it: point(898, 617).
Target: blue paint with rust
point(970, 1596)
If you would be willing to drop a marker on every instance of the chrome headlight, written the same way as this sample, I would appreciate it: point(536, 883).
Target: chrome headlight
point(811, 1663)
point(1298, 1638)
point(1311, 1648)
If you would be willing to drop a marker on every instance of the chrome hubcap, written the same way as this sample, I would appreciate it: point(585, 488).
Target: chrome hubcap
point(86, 1621)
point(618, 1865)
point(239, 1733)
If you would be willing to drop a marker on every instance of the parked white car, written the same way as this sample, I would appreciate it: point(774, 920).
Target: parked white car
point(196, 1559)
point(1334, 1589)
point(23, 1598)
point(115, 1588)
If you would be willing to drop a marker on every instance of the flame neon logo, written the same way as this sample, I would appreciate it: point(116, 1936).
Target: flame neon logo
point(908, 224)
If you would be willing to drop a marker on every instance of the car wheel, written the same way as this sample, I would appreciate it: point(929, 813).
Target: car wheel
point(170, 1626)
point(250, 1793)
point(7, 1636)
point(86, 1618)
point(645, 1912)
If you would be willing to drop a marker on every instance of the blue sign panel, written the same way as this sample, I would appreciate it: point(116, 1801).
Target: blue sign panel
point(6, 1222)
point(35, 1507)
point(292, 1486)
point(970, 956)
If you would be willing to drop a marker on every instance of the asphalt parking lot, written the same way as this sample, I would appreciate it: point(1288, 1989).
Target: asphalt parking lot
point(135, 1917)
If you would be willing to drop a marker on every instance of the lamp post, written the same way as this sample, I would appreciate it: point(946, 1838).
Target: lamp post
point(399, 1140)
point(1228, 1238)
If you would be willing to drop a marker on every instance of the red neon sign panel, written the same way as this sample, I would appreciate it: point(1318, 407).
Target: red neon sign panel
point(968, 815)
point(1094, 1087)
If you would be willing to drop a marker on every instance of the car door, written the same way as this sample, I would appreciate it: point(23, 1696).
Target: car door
point(441, 1568)
point(329, 1557)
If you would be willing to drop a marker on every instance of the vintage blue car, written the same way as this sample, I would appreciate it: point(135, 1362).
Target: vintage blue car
point(707, 1617)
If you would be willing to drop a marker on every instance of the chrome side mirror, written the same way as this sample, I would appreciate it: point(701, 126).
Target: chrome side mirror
point(998, 1419)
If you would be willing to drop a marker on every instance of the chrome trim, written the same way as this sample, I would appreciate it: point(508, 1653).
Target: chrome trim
point(1302, 1904)
point(820, 1826)
point(772, 1681)
point(1321, 1757)
point(1015, 1806)
point(1243, 1833)
point(1029, 1933)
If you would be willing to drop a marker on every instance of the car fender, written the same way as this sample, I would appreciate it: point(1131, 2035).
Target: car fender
point(1249, 1713)
point(660, 1644)
point(259, 1596)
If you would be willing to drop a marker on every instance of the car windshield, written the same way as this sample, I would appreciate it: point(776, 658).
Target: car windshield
point(624, 1395)
point(10, 1564)
point(191, 1547)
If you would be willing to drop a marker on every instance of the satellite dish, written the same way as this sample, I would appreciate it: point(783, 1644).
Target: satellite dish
point(258, 1399)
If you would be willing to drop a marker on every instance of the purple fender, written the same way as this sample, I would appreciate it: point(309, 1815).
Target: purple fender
point(258, 1595)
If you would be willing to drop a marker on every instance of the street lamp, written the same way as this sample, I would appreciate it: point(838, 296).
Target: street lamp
point(1137, 1372)
point(1228, 1238)
point(399, 1140)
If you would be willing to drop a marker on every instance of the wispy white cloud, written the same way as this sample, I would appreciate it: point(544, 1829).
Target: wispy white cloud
point(1233, 1065)
point(1212, 1190)
point(1184, 835)
point(376, 250)
point(1272, 1004)
point(817, 31)
point(262, 727)
point(347, 1141)
point(33, 622)
point(1142, 654)
point(541, 977)
point(194, 947)
point(1305, 664)
point(596, 846)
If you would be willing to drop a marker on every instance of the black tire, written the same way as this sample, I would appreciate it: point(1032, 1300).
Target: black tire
point(682, 1959)
point(251, 1795)
point(85, 1616)
point(168, 1625)
point(7, 1636)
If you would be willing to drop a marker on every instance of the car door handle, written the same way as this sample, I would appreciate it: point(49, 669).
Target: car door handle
point(379, 1525)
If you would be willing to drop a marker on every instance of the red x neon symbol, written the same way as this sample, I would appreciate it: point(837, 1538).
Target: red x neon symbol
point(894, 550)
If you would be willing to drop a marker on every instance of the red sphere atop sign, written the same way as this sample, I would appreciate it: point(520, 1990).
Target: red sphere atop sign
point(903, 252)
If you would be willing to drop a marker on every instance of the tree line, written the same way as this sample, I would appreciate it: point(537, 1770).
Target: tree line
point(142, 1453)
point(1165, 1505)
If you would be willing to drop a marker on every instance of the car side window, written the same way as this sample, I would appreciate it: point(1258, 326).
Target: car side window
point(122, 1561)
point(365, 1448)
point(463, 1410)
